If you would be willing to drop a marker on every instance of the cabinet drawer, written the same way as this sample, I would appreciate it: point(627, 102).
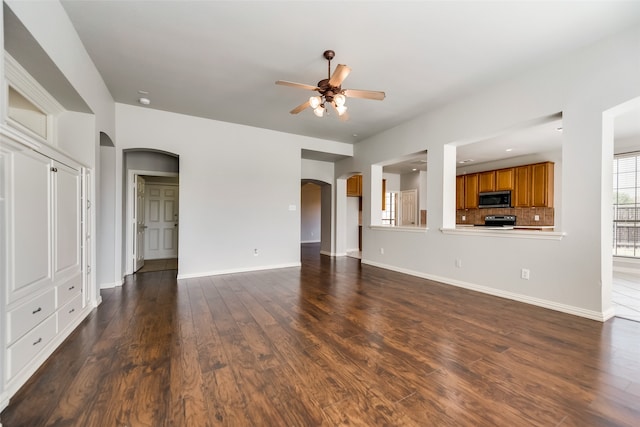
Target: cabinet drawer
point(26, 348)
point(24, 318)
point(68, 290)
point(69, 312)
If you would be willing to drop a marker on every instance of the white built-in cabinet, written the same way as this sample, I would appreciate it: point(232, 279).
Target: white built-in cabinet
point(45, 241)
point(42, 209)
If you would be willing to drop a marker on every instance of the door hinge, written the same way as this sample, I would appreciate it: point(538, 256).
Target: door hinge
point(54, 169)
point(88, 204)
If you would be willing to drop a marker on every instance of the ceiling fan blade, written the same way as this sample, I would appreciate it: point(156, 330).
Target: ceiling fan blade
point(298, 85)
point(300, 107)
point(339, 74)
point(365, 94)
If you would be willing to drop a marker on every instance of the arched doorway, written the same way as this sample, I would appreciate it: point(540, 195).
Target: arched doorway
point(152, 210)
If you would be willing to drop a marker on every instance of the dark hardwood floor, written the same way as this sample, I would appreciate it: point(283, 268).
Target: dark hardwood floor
point(332, 343)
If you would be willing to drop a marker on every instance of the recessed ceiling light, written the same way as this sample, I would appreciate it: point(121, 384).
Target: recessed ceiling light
point(144, 101)
point(414, 169)
point(465, 161)
point(143, 92)
point(355, 134)
point(509, 149)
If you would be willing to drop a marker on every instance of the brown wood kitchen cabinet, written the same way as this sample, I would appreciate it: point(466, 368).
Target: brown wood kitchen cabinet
point(505, 179)
point(487, 181)
point(354, 186)
point(542, 185)
point(460, 192)
point(533, 186)
point(471, 185)
point(521, 196)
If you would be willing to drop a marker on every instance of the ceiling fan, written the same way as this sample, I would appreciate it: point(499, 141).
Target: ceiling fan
point(331, 92)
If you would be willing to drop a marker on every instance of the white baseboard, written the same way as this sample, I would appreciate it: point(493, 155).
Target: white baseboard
point(327, 253)
point(112, 284)
point(576, 311)
point(310, 241)
point(236, 270)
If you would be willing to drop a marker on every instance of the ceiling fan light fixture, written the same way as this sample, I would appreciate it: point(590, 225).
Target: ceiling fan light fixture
point(315, 101)
point(341, 109)
point(339, 99)
point(319, 111)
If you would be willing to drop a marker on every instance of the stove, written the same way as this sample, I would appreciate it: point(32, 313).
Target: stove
point(499, 221)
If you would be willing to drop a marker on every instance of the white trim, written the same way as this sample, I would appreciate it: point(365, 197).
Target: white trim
point(513, 234)
point(310, 241)
point(327, 253)
point(408, 229)
point(237, 270)
point(569, 309)
point(20, 80)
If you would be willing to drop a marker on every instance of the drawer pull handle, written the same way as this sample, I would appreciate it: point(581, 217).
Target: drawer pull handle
point(36, 310)
point(38, 342)
point(72, 288)
point(72, 310)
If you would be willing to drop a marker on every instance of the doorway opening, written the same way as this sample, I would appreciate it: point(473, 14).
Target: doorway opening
point(625, 289)
point(315, 216)
point(152, 212)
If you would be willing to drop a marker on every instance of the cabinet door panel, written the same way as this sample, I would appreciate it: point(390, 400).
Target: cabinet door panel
point(460, 192)
point(67, 222)
point(522, 193)
point(542, 185)
point(505, 179)
point(487, 181)
point(29, 233)
point(471, 191)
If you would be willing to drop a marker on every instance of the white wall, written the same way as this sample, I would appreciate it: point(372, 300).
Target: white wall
point(151, 161)
point(353, 208)
point(310, 213)
point(573, 274)
point(393, 181)
point(239, 188)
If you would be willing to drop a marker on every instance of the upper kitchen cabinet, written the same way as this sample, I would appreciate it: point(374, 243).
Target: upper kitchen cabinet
point(505, 179)
point(542, 185)
point(521, 197)
point(534, 185)
point(354, 186)
point(487, 181)
point(460, 192)
point(471, 190)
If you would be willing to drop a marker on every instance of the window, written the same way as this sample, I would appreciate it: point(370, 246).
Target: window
point(626, 215)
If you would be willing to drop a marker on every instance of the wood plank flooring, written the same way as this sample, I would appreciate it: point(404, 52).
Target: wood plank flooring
point(333, 343)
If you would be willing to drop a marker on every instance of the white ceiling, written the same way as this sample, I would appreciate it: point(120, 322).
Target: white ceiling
point(220, 59)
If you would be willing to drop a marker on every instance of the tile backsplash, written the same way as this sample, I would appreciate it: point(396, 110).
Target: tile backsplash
point(524, 216)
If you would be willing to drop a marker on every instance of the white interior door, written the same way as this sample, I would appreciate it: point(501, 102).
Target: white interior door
point(409, 207)
point(139, 221)
point(161, 238)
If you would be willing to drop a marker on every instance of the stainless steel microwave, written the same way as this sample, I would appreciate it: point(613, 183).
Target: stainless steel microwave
point(495, 199)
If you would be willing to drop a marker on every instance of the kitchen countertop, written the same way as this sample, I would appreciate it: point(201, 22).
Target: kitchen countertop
point(516, 227)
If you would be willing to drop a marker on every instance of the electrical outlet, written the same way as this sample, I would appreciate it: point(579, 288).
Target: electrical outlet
point(536, 217)
point(381, 251)
point(524, 274)
point(464, 217)
point(255, 252)
point(458, 263)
